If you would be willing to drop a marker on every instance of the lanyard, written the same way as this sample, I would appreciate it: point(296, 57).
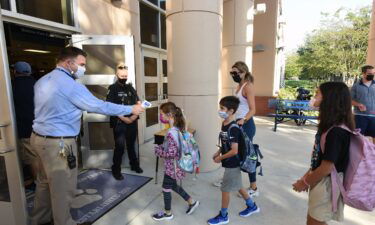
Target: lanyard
point(64, 71)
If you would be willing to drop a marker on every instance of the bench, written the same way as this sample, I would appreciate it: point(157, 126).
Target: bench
point(289, 110)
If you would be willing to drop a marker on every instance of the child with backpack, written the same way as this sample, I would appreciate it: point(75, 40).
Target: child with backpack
point(170, 151)
point(330, 153)
point(228, 156)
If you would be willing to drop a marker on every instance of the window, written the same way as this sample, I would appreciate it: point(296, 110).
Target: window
point(59, 11)
point(152, 116)
point(5, 4)
point(153, 25)
point(102, 59)
point(149, 26)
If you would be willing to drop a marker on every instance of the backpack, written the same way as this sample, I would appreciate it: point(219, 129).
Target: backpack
point(358, 188)
point(189, 155)
point(248, 153)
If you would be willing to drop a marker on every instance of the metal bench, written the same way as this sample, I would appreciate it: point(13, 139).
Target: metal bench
point(288, 110)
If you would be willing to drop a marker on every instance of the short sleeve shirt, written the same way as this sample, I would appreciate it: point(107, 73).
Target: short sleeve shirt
point(227, 139)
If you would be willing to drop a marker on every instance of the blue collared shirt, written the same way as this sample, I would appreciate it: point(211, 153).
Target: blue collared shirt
point(59, 102)
point(365, 95)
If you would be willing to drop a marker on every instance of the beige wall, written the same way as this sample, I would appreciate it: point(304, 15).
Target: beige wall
point(371, 42)
point(114, 20)
point(194, 29)
point(237, 39)
point(265, 28)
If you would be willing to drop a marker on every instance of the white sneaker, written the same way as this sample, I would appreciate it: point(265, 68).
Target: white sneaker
point(218, 183)
point(253, 193)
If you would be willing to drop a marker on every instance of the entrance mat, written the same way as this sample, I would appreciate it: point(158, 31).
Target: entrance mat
point(99, 192)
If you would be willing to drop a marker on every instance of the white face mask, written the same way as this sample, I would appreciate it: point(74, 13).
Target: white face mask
point(223, 115)
point(80, 72)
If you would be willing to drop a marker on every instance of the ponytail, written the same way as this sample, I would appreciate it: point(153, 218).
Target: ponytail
point(179, 118)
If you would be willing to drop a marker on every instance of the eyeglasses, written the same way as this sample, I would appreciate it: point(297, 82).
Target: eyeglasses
point(122, 67)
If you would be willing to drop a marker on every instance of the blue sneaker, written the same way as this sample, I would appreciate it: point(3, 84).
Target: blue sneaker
point(249, 211)
point(219, 219)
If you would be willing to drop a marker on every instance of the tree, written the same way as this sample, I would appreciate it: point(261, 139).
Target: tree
point(292, 68)
point(337, 49)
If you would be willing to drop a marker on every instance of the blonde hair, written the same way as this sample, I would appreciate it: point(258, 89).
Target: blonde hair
point(242, 67)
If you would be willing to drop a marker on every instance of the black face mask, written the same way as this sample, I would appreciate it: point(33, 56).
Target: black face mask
point(122, 81)
point(236, 77)
point(370, 77)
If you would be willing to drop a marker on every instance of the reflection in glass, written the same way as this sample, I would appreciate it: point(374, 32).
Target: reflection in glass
point(100, 136)
point(155, 2)
point(151, 68)
point(5, 4)
point(99, 91)
point(149, 25)
point(60, 11)
point(102, 59)
point(165, 68)
point(165, 90)
point(162, 4)
point(151, 91)
point(4, 187)
point(152, 116)
point(163, 31)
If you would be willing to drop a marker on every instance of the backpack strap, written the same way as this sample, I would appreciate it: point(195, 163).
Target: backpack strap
point(337, 185)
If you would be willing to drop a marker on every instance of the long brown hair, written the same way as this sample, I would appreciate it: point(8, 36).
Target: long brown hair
point(176, 112)
point(243, 68)
point(336, 106)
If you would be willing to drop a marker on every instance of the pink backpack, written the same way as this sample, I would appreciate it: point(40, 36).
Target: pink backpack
point(358, 188)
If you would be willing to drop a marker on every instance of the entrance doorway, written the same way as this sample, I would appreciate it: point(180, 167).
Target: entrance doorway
point(155, 81)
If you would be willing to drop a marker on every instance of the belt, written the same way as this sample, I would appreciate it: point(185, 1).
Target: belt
point(55, 137)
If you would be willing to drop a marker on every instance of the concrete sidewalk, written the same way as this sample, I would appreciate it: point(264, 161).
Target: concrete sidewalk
point(287, 156)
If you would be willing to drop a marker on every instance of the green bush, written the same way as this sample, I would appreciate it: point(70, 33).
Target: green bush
point(287, 93)
point(307, 84)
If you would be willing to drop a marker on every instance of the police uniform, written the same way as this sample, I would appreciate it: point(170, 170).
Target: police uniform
point(123, 133)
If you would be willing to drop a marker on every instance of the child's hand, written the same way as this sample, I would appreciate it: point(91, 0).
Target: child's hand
point(217, 159)
point(300, 186)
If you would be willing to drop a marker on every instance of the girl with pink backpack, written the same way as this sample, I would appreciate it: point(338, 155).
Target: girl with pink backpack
point(330, 152)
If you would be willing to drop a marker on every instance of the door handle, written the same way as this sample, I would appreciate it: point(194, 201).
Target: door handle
point(3, 148)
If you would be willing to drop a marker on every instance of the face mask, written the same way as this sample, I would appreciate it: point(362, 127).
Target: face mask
point(122, 81)
point(80, 72)
point(312, 102)
point(370, 77)
point(162, 120)
point(223, 115)
point(236, 77)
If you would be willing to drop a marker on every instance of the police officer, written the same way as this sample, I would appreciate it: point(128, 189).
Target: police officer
point(59, 102)
point(125, 128)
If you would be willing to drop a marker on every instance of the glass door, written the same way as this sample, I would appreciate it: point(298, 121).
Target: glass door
point(104, 52)
point(155, 81)
point(12, 193)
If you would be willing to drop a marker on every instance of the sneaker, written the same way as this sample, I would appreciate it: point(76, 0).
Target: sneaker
point(162, 216)
point(218, 183)
point(249, 211)
point(219, 219)
point(253, 193)
point(192, 207)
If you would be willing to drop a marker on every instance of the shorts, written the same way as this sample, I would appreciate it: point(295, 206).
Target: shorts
point(320, 202)
point(366, 124)
point(232, 180)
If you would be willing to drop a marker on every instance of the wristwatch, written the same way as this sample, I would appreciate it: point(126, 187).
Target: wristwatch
point(245, 120)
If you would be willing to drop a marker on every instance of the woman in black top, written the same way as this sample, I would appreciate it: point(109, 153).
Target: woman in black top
point(125, 128)
point(334, 102)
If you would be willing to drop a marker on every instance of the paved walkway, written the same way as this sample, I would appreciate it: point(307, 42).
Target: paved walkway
point(286, 159)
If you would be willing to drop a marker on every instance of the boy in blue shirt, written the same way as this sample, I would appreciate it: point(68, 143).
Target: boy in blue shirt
point(227, 155)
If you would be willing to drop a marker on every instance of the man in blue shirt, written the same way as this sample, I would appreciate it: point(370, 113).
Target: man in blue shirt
point(363, 100)
point(59, 102)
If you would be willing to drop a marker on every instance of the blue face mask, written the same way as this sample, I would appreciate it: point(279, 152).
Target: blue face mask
point(223, 115)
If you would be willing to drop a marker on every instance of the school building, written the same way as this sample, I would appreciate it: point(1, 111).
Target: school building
point(176, 50)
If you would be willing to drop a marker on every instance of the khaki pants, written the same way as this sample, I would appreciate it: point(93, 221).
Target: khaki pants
point(55, 184)
point(28, 155)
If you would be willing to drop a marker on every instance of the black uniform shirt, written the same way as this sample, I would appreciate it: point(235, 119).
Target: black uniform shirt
point(121, 94)
point(23, 97)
